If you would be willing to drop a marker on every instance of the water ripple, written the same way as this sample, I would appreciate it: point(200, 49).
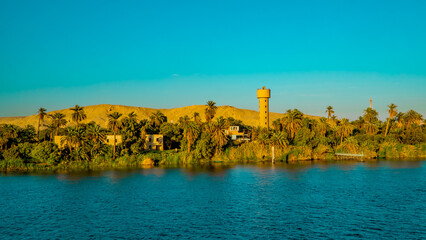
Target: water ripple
point(321, 201)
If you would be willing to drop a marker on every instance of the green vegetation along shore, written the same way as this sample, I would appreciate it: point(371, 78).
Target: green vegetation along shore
point(193, 140)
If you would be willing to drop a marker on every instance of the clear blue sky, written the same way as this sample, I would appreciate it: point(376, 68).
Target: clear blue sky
point(166, 54)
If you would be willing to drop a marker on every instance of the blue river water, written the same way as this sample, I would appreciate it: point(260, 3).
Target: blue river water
point(311, 200)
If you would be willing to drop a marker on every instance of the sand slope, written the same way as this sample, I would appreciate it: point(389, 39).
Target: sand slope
point(98, 114)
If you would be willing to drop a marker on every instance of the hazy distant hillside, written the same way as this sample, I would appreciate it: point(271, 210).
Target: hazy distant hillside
point(98, 113)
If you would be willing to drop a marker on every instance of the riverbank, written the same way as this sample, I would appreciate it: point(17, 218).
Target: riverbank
point(247, 153)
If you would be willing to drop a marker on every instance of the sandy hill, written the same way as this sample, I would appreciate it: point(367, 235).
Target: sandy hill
point(98, 114)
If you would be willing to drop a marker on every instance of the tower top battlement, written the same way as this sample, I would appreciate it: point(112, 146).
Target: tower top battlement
point(263, 93)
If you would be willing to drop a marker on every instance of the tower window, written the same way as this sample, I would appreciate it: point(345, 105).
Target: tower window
point(266, 112)
point(265, 100)
point(265, 117)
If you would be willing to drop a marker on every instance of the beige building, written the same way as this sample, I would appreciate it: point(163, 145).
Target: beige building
point(235, 134)
point(263, 95)
point(154, 142)
point(110, 139)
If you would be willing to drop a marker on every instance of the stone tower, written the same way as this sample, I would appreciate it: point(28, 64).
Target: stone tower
point(263, 95)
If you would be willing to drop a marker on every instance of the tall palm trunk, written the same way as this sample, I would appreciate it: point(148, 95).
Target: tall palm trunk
point(387, 127)
point(91, 150)
point(113, 157)
point(189, 146)
point(38, 130)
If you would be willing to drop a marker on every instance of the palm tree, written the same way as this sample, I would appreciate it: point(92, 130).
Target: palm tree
point(79, 154)
point(330, 111)
point(191, 132)
point(255, 133)
point(292, 121)
point(114, 124)
point(370, 120)
point(8, 132)
point(400, 120)
point(79, 137)
point(58, 120)
point(50, 130)
point(263, 138)
point(132, 116)
point(392, 113)
point(411, 117)
point(183, 121)
point(276, 124)
point(78, 114)
point(210, 110)
point(197, 118)
point(279, 139)
point(359, 122)
point(334, 120)
point(158, 118)
point(130, 123)
point(322, 126)
point(345, 129)
point(218, 133)
point(370, 128)
point(97, 135)
point(69, 137)
point(41, 113)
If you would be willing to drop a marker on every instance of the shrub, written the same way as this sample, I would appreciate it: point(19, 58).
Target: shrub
point(12, 153)
point(205, 147)
point(25, 150)
point(320, 152)
point(46, 152)
point(414, 135)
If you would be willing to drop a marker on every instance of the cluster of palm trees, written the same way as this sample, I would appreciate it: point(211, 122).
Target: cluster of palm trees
point(214, 130)
point(283, 133)
point(8, 132)
point(293, 121)
point(91, 136)
point(206, 138)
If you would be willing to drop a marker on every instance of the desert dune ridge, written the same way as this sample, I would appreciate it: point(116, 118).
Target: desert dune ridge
point(98, 114)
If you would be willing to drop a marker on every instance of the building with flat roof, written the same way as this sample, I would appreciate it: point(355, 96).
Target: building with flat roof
point(235, 134)
point(154, 142)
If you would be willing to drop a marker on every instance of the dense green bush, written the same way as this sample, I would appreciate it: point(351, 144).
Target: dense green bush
point(12, 153)
point(414, 135)
point(46, 152)
point(25, 150)
point(205, 147)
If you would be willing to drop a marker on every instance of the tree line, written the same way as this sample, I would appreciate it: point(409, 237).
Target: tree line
point(197, 138)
